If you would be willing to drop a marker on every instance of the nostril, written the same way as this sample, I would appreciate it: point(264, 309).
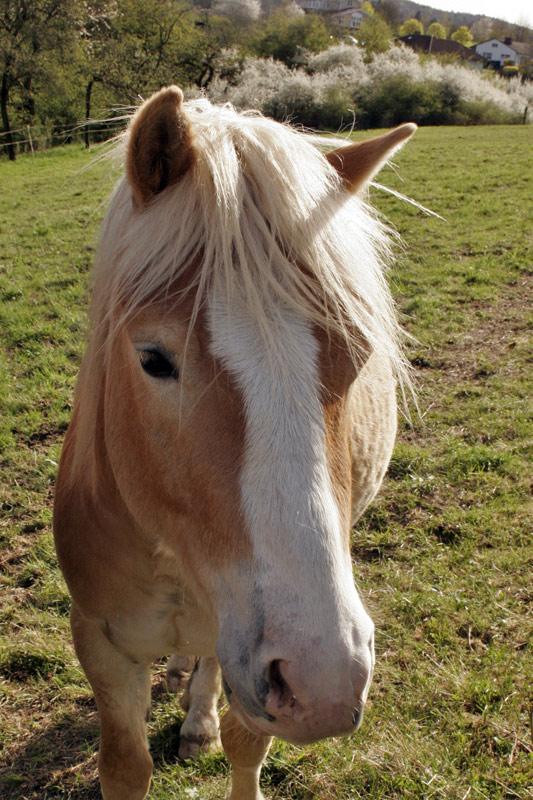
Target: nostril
point(357, 718)
point(280, 691)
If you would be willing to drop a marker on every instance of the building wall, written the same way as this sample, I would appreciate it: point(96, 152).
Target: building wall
point(315, 5)
point(494, 50)
point(346, 13)
point(350, 19)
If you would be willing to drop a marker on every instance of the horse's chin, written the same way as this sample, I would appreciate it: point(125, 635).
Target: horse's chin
point(294, 734)
point(247, 721)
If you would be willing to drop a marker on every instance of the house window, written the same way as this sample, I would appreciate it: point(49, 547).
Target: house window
point(495, 44)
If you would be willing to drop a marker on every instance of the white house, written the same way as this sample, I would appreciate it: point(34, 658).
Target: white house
point(497, 52)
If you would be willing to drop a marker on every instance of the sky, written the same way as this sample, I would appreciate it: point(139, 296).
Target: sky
point(510, 10)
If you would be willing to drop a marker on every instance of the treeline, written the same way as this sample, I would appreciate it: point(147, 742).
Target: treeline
point(63, 62)
point(66, 63)
point(481, 26)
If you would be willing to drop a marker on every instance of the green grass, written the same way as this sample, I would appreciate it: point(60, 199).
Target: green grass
point(443, 557)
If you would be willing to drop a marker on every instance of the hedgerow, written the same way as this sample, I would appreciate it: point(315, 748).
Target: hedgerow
point(337, 85)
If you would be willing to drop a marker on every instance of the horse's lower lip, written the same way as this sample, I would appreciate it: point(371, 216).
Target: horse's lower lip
point(237, 708)
point(290, 730)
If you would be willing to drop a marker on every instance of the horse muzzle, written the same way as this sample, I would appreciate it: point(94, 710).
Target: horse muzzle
point(295, 701)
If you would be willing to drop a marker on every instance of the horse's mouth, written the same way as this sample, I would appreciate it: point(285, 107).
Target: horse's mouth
point(244, 717)
point(301, 730)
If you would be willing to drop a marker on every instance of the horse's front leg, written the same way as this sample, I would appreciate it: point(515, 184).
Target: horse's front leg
point(246, 752)
point(200, 731)
point(122, 692)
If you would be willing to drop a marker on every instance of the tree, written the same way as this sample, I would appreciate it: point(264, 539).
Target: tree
point(411, 26)
point(463, 36)
point(388, 10)
point(97, 38)
point(202, 55)
point(375, 35)
point(241, 12)
point(131, 47)
point(29, 31)
point(284, 37)
point(523, 29)
point(437, 30)
point(150, 37)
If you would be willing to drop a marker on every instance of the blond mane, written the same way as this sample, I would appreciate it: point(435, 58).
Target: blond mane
point(264, 221)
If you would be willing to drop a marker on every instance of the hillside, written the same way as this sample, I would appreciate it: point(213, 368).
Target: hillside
point(408, 8)
point(483, 25)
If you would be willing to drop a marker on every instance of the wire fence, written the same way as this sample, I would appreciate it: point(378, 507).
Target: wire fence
point(32, 138)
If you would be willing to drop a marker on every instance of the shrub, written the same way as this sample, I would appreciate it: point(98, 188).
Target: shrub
point(396, 100)
point(397, 86)
point(259, 79)
point(483, 112)
point(338, 56)
point(284, 36)
point(336, 108)
point(294, 100)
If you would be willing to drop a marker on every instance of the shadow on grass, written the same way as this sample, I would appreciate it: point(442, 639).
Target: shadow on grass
point(58, 762)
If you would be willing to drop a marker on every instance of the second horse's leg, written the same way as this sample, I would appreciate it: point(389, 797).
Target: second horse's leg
point(179, 669)
point(200, 731)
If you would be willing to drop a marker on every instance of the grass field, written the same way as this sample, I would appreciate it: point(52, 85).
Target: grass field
point(444, 558)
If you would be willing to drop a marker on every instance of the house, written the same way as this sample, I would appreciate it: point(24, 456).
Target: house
point(345, 13)
point(349, 17)
point(423, 43)
point(315, 5)
point(496, 53)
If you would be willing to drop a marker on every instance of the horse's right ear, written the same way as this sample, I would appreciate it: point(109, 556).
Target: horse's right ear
point(160, 147)
point(358, 163)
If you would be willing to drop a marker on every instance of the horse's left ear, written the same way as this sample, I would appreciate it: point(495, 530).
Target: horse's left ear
point(358, 163)
point(159, 145)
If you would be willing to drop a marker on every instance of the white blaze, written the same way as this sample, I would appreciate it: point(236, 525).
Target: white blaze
point(286, 491)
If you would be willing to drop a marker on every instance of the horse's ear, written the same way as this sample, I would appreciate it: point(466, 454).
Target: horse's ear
point(159, 145)
point(358, 163)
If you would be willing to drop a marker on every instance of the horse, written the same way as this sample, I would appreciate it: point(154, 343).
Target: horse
point(235, 412)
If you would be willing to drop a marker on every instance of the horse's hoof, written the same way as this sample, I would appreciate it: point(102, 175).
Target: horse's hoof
point(192, 746)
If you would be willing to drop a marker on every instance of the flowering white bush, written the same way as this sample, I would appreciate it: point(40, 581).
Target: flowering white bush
point(509, 95)
point(340, 55)
point(399, 59)
point(257, 82)
point(394, 86)
point(240, 11)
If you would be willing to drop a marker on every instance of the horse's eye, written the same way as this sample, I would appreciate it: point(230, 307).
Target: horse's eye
point(157, 365)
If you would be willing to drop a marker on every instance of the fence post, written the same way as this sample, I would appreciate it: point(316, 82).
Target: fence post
point(29, 139)
point(525, 115)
